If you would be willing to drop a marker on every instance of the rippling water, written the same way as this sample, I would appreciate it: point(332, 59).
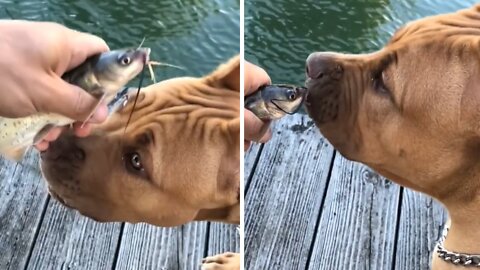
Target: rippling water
point(280, 34)
point(194, 34)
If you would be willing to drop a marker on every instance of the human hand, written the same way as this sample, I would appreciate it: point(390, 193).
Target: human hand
point(255, 129)
point(34, 57)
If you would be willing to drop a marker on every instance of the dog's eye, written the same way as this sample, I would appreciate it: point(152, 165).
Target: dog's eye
point(133, 161)
point(379, 83)
point(291, 95)
point(136, 162)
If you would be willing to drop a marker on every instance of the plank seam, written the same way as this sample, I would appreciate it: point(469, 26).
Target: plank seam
point(179, 237)
point(317, 222)
point(397, 228)
point(207, 241)
point(119, 244)
point(37, 232)
point(254, 167)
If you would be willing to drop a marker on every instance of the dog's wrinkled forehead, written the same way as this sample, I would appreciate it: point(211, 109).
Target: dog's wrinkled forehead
point(451, 31)
point(225, 77)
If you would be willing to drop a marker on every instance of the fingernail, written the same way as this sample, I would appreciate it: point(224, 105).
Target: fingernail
point(100, 114)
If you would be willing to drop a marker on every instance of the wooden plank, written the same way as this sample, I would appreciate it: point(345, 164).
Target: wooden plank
point(284, 199)
point(22, 199)
point(192, 245)
point(358, 223)
point(68, 240)
point(421, 222)
point(223, 238)
point(144, 247)
point(250, 161)
point(148, 247)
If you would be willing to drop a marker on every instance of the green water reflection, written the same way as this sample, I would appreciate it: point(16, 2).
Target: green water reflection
point(280, 34)
point(194, 34)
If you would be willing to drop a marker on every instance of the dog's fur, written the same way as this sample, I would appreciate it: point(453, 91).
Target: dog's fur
point(411, 111)
point(186, 134)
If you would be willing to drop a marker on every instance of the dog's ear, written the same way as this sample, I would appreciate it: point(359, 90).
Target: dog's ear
point(226, 75)
point(475, 8)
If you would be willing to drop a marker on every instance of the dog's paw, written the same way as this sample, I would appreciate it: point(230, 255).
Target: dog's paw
point(225, 261)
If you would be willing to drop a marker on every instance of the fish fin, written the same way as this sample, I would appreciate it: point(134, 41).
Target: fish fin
point(93, 111)
point(16, 154)
point(97, 90)
point(42, 133)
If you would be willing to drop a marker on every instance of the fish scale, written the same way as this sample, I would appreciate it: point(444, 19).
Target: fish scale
point(22, 131)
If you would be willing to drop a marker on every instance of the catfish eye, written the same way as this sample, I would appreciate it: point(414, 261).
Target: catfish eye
point(125, 60)
point(291, 95)
point(133, 161)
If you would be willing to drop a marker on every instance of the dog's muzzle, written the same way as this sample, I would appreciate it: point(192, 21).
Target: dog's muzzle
point(63, 149)
point(324, 73)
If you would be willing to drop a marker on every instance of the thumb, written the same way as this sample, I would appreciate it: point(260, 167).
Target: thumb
point(255, 129)
point(84, 45)
point(254, 78)
point(75, 103)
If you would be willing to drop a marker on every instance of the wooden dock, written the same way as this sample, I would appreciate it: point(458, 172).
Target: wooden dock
point(36, 232)
point(307, 207)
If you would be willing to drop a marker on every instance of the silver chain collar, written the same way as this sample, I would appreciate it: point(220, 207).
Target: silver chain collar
point(466, 260)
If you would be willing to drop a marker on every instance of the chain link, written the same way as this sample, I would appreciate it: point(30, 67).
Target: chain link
point(466, 260)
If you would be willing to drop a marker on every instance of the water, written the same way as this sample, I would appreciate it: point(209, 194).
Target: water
point(280, 34)
point(194, 34)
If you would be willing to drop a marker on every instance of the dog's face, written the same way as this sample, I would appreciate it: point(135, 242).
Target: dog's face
point(411, 110)
point(177, 161)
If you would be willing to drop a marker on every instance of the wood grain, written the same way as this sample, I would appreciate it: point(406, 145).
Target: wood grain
point(37, 232)
point(223, 238)
point(148, 247)
point(303, 212)
point(284, 199)
point(358, 222)
point(67, 240)
point(22, 200)
point(421, 224)
point(250, 162)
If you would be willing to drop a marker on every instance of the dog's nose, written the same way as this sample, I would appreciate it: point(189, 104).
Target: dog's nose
point(323, 65)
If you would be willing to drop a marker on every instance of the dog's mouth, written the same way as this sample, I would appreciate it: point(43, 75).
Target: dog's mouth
point(60, 164)
point(322, 101)
point(314, 91)
point(63, 184)
point(59, 198)
point(324, 73)
point(63, 150)
point(65, 203)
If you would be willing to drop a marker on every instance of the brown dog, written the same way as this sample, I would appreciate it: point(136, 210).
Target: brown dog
point(411, 111)
point(177, 161)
